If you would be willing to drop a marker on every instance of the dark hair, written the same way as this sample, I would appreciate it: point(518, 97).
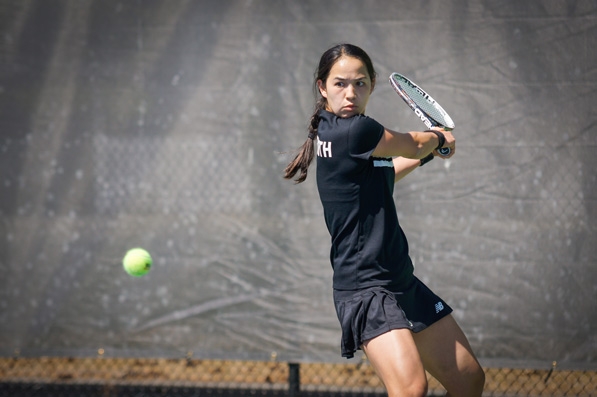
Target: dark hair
point(306, 152)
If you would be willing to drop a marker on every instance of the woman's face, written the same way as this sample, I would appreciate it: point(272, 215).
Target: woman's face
point(347, 88)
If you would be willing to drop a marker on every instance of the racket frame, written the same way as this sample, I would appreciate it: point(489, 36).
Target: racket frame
point(412, 103)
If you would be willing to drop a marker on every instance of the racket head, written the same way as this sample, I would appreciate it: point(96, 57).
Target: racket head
point(421, 102)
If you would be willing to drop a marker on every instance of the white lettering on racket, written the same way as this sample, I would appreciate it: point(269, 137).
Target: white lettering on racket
point(324, 148)
point(423, 118)
point(424, 95)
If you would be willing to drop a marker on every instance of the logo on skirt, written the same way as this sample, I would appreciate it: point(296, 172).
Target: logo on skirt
point(439, 307)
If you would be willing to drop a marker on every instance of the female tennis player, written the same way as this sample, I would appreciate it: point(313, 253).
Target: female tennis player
point(383, 309)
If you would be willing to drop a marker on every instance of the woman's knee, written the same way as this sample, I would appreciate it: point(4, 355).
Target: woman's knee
point(417, 388)
point(470, 384)
point(478, 381)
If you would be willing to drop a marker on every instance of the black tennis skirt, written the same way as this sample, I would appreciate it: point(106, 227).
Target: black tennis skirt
point(370, 312)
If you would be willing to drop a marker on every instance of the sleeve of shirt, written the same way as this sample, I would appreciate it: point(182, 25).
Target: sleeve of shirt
point(363, 136)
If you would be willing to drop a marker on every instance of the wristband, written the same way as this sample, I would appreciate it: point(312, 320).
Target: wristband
point(426, 159)
point(440, 137)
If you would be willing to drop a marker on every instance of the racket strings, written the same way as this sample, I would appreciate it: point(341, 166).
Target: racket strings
point(426, 106)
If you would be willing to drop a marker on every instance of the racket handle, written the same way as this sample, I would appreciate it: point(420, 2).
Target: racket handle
point(444, 151)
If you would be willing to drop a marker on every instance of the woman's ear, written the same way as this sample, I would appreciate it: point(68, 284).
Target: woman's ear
point(321, 88)
point(372, 85)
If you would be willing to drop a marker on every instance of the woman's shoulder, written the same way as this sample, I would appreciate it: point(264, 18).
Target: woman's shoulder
point(361, 119)
point(357, 119)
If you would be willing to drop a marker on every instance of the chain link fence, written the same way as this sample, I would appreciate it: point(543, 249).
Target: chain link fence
point(128, 377)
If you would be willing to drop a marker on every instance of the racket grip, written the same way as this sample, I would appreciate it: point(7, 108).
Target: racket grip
point(444, 151)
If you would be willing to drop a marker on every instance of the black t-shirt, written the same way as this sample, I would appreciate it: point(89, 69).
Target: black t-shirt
point(369, 247)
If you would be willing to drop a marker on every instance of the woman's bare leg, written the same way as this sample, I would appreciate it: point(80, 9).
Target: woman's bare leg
point(447, 355)
point(395, 358)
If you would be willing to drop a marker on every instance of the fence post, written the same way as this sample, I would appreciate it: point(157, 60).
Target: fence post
point(294, 379)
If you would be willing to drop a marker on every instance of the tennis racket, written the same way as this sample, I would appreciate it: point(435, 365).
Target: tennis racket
point(424, 106)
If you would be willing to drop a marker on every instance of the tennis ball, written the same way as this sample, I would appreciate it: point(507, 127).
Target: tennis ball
point(137, 262)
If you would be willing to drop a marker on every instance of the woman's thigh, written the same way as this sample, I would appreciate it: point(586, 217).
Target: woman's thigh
point(395, 358)
point(447, 355)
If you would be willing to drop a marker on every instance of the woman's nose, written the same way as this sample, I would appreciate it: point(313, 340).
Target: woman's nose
point(350, 91)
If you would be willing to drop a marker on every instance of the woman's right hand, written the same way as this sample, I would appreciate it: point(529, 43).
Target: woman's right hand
point(450, 143)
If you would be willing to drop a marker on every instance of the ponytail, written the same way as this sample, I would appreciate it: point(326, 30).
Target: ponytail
point(306, 152)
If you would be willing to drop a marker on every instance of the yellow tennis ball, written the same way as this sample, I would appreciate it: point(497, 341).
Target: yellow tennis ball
point(137, 262)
